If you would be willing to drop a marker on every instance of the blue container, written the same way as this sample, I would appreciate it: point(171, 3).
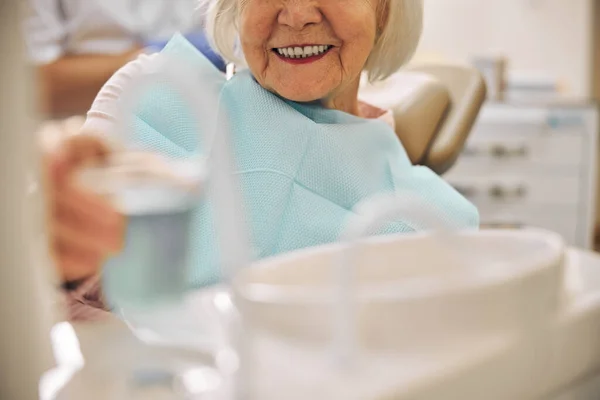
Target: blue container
point(153, 268)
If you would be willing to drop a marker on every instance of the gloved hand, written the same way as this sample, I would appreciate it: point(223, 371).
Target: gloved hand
point(199, 40)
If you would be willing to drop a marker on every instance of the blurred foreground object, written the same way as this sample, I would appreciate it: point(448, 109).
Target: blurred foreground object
point(438, 329)
point(25, 295)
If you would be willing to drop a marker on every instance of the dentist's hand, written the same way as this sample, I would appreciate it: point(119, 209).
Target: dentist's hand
point(84, 227)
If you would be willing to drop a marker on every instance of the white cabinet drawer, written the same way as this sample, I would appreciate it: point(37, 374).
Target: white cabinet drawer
point(530, 165)
point(524, 151)
point(515, 189)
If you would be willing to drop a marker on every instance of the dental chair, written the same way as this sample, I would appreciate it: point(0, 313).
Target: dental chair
point(434, 107)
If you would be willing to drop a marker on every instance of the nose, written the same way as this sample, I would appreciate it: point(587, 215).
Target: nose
point(297, 14)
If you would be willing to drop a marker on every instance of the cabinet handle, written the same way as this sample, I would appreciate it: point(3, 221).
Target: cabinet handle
point(499, 192)
point(522, 151)
point(501, 151)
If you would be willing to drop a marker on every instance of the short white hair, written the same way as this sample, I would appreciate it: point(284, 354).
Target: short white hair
point(395, 45)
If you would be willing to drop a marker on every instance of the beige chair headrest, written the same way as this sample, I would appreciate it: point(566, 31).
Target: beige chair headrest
point(467, 90)
point(434, 109)
point(418, 103)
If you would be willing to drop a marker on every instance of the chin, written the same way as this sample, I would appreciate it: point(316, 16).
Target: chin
point(301, 93)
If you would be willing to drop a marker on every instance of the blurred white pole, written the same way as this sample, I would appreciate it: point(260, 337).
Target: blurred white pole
point(25, 351)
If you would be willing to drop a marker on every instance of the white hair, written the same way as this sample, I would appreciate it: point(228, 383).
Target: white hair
point(394, 46)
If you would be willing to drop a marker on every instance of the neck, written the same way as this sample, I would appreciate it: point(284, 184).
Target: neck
point(345, 99)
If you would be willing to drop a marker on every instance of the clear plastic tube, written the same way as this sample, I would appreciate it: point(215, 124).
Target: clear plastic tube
point(372, 214)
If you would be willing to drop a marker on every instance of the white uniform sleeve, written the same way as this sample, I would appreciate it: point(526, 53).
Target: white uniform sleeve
point(101, 117)
point(45, 31)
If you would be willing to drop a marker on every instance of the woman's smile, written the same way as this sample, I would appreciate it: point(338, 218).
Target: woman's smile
point(302, 53)
point(309, 50)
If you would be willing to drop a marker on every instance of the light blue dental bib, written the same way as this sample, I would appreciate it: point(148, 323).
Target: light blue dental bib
point(302, 167)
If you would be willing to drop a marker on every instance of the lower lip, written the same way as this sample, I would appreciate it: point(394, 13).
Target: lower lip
point(297, 61)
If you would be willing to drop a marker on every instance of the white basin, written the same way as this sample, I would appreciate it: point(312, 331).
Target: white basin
point(414, 292)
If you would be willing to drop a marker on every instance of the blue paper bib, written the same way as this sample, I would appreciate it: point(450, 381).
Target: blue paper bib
point(302, 167)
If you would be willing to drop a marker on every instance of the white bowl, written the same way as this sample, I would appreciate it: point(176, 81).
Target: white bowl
point(413, 291)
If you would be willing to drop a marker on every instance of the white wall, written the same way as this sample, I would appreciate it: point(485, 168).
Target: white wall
point(551, 37)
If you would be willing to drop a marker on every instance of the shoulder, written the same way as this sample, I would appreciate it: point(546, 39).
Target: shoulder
point(103, 111)
point(371, 112)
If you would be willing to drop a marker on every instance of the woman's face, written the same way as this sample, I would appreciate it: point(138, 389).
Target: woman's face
point(306, 50)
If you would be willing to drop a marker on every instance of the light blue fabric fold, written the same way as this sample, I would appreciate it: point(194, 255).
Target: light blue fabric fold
point(302, 167)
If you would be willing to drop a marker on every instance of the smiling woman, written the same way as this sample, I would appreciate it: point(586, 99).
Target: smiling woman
point(307, 151)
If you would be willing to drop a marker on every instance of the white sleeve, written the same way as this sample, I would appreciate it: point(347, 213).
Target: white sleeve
point(101, 117)
point(45, 31)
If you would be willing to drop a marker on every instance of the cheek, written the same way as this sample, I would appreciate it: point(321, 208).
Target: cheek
point(355, 26)
point(256, 23)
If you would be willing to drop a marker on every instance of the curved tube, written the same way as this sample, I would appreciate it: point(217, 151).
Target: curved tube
point(370, 214)
point(224, 188)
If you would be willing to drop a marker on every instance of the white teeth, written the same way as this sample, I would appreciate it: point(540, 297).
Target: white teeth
point(302, 52)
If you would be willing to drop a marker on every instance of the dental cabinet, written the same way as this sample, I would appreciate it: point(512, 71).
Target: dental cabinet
point(533, 164)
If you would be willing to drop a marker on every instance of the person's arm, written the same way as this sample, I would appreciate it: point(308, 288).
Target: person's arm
point(101, 117)
point(70, 84)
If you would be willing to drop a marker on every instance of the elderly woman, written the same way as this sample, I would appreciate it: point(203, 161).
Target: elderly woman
point(307, 150)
